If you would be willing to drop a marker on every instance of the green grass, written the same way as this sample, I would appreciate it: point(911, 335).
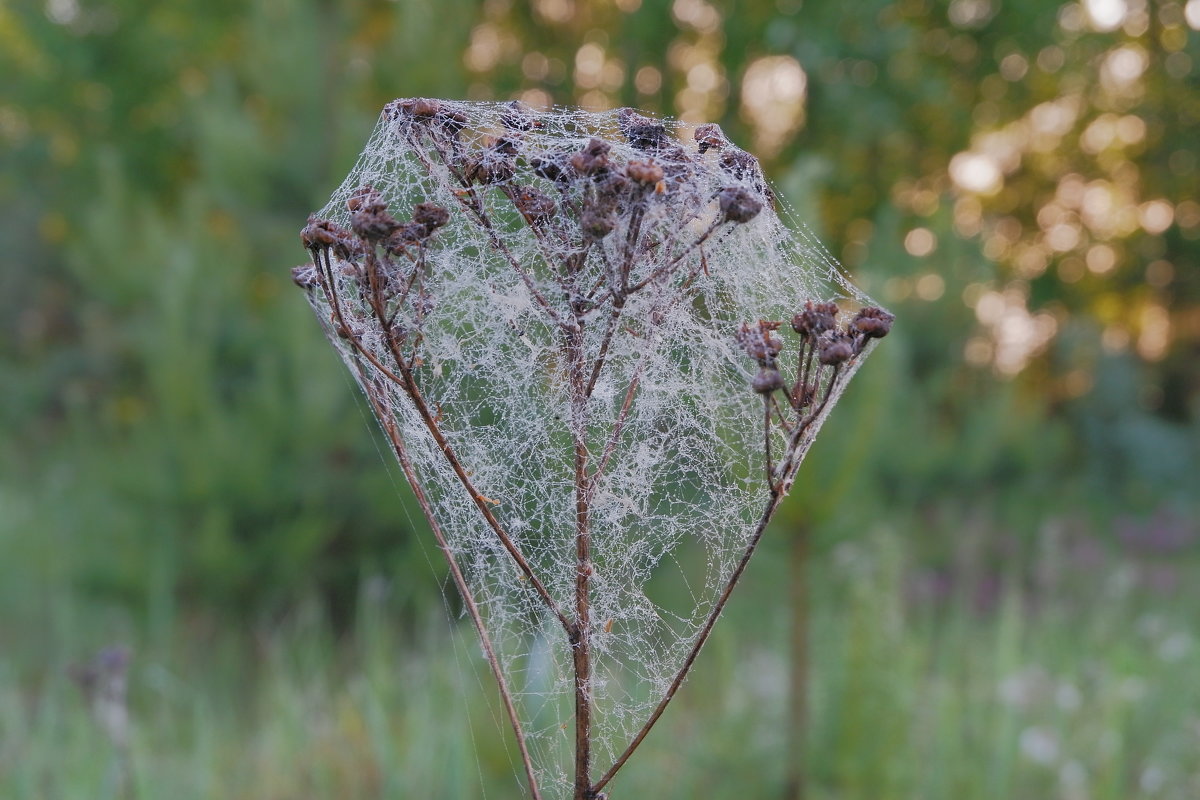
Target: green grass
point(1089, 691)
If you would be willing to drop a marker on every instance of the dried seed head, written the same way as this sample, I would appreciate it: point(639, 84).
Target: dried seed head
point(759, 341)
point(482, 170)
point(437, 114)
point(642, 132)
point(370, 219)
point(407, 235)
point(305, 276)
point(421, 107)
point(366, 198)
point(710, 137)
point(535, 206)
point(494, 165)
point(738, 205)
point(551, 166)
point(873, 322)
point(644, 172)
point(503, 145)
point(593, 158)
point(321, 234)
point(835, 347)
point(318, 233)
point(611, 189)
point(430, 215)
point(518, 117)
point(740, 164)
point(596, 223)
point(815, 319)
point(767, 380)
point(452, 120)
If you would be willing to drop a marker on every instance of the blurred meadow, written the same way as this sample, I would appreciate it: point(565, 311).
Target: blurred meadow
point(987, 577)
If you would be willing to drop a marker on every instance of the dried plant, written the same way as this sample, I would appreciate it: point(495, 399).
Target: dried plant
point(556, 318)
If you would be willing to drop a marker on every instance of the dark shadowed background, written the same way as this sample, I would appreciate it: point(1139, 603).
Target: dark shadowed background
point(996, 534)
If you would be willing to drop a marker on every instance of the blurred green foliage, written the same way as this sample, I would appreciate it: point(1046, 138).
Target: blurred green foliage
point(1002, 509)
point(179, 437)
point(1038, 697)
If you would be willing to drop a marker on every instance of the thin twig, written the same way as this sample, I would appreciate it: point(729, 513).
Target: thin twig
point(778, 490)
point(767, 438)
point(614, 437)
point(328, 287)
point(408, 384)
point(667, 267)
point(772, 506)
point(786, 469)
point(581, 636)
point(480, 502)
point(456, 574)
point(613, 320)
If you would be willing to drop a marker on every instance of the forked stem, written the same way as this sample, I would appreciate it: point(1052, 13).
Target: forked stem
point(406, 382)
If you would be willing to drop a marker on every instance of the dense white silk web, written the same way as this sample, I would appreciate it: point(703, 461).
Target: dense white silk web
point(654, 243)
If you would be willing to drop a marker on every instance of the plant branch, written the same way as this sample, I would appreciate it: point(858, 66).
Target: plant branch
point(756, 537)
point(460, 582)
point(325, 270)
point(408, 384)
point(480, 501)
point(580, 638)
point(778, 489)
point(475, 206)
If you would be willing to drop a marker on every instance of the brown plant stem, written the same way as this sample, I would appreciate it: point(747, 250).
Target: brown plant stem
point(428, 418)
point(580, 638)
point(457, 576)
point(407, 384)
point(325, 270)
point(756, 537)
point(778, 490)
point(470, 200)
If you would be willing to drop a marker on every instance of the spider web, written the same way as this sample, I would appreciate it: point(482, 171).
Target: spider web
point(683, 484)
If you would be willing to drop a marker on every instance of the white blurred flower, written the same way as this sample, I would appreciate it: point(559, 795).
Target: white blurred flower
point(1039, 745)
point(1068, 697)
point(1175, 647)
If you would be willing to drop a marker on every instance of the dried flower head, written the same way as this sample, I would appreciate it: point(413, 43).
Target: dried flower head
point(644, 172)
point(642, 132)
point(546, 312)
point(430, 216)
point(815, 319)
point(370, 218)
point(835, 347)
point(768, 380)
point(710, 137)
point(738, 205)
point(759, 341)
point(873, 322)
point(593, 158)
point(518, 117)
point(440, 116)
point(597, 223)
point(536, 206)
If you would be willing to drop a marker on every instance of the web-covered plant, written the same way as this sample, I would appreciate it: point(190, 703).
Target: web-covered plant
point(599, 357)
